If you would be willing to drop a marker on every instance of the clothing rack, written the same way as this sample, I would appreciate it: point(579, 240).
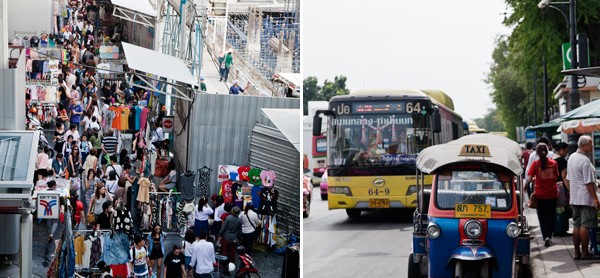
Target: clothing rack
point(165, 193)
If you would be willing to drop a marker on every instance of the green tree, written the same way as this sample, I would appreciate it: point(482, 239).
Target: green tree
point(312, 91)
point(536, 34)
point(491, 121)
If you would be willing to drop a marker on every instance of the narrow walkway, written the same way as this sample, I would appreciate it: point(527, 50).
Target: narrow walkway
point(210, 70)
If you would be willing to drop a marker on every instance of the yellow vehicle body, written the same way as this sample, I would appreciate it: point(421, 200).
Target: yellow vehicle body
point(374, 192)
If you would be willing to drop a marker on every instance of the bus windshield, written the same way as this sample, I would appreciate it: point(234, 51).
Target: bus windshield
point(377, 139)
point(473, 187)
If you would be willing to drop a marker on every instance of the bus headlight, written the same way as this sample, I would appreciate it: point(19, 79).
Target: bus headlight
point(512, 230)
point(340, 190)
point(473, 228)
point(433, 230)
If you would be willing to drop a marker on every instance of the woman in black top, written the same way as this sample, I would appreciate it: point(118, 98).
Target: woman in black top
point(59, 138)
point(103, 220)
point(74, 161)
point(562, 221)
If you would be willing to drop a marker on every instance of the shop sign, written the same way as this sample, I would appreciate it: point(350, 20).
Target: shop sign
point(223, 173)
point(48, 205)
point(168, 123)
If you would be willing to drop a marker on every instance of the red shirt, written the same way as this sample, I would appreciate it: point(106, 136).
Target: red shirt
point(78, 210)
point(545, 180)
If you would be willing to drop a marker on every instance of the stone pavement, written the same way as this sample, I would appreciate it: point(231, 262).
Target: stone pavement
point(268, 263)
point(557, 260)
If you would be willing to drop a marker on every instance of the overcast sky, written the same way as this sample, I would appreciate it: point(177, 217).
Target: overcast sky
point(418, 44)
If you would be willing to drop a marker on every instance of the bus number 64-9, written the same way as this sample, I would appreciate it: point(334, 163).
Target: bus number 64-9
point(377, 191)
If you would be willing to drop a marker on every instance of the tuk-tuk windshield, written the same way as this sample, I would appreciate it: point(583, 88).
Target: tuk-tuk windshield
point(474, 187)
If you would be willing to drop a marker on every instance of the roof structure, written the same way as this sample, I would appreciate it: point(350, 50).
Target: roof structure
point(503, 152)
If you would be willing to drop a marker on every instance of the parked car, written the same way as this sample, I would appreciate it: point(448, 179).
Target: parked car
point(307, 189)
point(323, 186)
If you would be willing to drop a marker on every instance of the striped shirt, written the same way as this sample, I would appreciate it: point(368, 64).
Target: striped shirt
point(580, 172)
point(110, 144)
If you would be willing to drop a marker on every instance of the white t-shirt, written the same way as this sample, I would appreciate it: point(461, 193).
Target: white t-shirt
point(140, 266)
point(580, 172)
point(112, 186)
point(117, 168)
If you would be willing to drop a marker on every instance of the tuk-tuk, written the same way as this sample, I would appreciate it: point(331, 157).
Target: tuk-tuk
point(469, 222)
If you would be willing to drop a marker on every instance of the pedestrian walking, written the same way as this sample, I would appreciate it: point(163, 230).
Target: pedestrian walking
point(533, 157)
point(174, 264)
point(157, 250)
point(188, 244)
point(203, 258)
point(250, 226)
point(563, 209)
point(581, 176)
point(545, 172)
point(230, 234)
point(140, 260)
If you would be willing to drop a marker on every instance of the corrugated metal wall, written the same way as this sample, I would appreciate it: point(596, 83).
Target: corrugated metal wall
point(269, 149)
point(221, 129)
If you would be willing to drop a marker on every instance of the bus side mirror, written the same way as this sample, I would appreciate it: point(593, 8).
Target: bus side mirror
point(317, 125)
point(437, 121)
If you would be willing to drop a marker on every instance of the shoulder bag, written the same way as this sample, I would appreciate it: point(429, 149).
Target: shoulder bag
point(91, 217)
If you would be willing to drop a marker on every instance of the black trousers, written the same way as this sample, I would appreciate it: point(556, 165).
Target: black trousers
point(546, 212)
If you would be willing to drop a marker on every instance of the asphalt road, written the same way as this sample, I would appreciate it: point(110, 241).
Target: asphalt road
point(375, 245)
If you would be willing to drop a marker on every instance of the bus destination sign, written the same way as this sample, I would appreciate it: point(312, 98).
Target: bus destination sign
point(378, 107)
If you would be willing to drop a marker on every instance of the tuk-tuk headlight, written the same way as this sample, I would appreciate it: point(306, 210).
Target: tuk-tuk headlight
point(433, 230)
point(512, 230)
point(473, 229)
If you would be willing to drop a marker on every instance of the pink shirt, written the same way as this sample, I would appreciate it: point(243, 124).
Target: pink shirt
point(42, 161)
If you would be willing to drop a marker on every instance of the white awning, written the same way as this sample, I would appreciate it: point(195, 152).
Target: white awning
point(288, 122)
point(139, 11)
point(162, 65)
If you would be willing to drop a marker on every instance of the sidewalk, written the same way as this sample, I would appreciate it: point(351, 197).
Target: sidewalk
point(556, 260)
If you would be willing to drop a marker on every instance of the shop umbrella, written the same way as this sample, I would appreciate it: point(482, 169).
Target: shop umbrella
point(585, 119)
point(551, 126)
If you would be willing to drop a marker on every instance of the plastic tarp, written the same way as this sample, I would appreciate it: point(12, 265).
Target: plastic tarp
point(163, 65)
point(288, 122)
point(142, 6)
point(503, 151)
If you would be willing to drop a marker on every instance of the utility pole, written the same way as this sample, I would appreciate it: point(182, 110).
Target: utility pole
point(574, 94)
point(534, 97)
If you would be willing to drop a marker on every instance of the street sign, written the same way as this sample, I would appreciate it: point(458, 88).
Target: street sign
point(168, 123)
point(48, 205)
point(566, 55)
point(222, 173)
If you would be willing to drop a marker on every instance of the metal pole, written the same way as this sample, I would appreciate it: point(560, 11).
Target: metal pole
point(3, 34)
point(534, 97)
point(226, 24)
point(545, 82)
point(26, 251)
point(574, 94)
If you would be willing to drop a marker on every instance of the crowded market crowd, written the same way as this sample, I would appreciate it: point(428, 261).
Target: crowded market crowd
point(103, 148)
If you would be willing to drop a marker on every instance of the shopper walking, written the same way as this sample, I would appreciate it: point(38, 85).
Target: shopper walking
point(174, 264)
point(140, 260)
point(230, 234)
point(203, 258)
point(157, 249)
point(250, 226)
point(201, 213)
point(584, 201)
point(545, 172)
point(563, 209)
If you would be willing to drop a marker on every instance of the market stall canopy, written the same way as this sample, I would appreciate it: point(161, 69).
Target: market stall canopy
point(551, 126)
point(502, 151)
point(288, 122)
point(146, 61)
point(581, 126)
point(138, 11)
point(591, 71)
point(589, 110)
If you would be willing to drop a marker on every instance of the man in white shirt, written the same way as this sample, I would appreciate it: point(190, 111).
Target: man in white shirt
point(203, 258)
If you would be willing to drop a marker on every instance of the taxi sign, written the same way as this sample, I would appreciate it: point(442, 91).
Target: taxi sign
point(472, 211)
point(475, 150)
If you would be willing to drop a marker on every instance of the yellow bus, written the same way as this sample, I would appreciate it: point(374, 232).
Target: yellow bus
point(373, 139)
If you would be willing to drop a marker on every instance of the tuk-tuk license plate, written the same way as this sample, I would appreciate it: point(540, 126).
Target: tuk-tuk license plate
point(379, 203)
point(472, 211)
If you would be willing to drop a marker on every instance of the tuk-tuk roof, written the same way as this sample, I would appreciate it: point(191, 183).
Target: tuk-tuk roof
point(499, 150)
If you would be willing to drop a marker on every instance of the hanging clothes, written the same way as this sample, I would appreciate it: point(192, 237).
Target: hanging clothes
point(203, 188)
point(96, 251)
point(79, 250)
point(116, 249)
point(144, 193)
point(186, 182)
point(268, 200)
